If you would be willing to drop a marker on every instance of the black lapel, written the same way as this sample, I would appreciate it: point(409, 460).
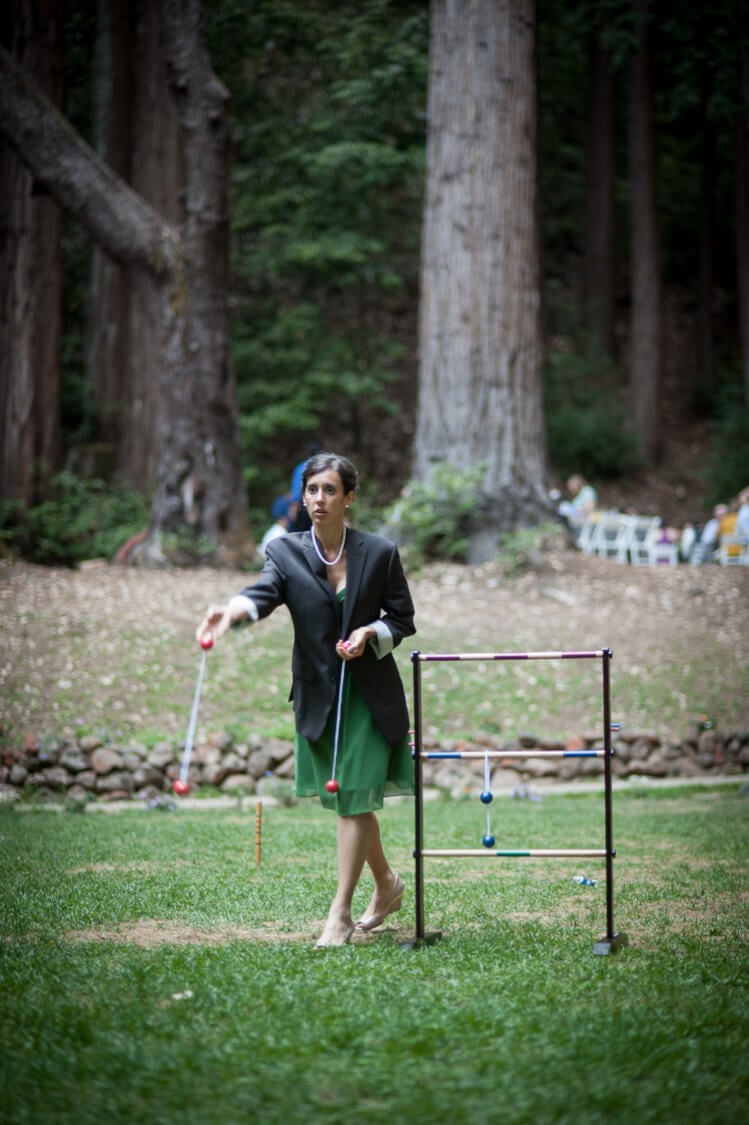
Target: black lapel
point(317, 566)
point(356, 558)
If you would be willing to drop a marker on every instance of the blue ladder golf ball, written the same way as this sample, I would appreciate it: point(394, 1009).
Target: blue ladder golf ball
point(487, 797)
point(488, 841)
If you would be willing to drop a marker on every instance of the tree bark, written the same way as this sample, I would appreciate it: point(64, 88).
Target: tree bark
point(69, 169)
point(480, 395)
point(198, 431)
point(742, 217)
point(31, 273)
point(108, 370)
point(646, 301)
point(199, 487)
point(599, 230)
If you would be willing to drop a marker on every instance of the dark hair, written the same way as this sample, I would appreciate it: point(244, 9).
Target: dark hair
point(321, 462)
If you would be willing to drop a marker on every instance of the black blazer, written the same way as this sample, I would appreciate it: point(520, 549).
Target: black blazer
point(376, 588)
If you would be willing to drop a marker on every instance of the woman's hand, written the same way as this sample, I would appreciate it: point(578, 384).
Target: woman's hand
point(217, 621)
point(356, 643)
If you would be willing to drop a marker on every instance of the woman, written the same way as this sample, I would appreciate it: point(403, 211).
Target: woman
point(350, 605)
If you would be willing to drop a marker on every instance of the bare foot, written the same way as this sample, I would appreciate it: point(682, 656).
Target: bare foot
point(385, 900)
point(338, 930)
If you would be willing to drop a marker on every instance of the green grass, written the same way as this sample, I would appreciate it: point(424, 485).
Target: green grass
point(151, 973)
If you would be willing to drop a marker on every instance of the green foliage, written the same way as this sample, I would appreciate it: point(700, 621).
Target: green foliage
point(433, 519)
point(77, 519)
point(519, 548)
point(329, 112)
point(586, 418)
point(728, 467)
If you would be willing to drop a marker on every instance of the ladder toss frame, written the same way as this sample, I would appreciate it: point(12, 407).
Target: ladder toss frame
point(612, 941)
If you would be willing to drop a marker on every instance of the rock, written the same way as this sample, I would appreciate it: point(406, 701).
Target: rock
point(709, 743)
point(162, 755)
point(286, 769)
point(77, 792)
point(540, 767)
point(232, 763)
point(55, 778)
point(213, 773)
point(90, 742)
point(148, 776)
point(17, 774)
point(206, 755)
point(622, 749)
point(73, 759)
point(118, 780)
point(259, 763)
point(238, 781)
point(222, 741)
point(104, 761)
point(138, 749)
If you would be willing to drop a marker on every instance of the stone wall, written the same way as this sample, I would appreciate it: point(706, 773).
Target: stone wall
point(87, 768)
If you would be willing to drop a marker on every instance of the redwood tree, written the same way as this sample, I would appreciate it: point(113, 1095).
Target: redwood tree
point(599, 251)
point(480, 392)
point(645, 319)
point(30, 277)
point(184, 270)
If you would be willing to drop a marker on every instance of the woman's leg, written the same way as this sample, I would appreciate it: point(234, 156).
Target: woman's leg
point(353, 836)
point(359, 841)
point(388, 891)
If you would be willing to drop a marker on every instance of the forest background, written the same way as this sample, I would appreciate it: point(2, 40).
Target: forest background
point(328, 127)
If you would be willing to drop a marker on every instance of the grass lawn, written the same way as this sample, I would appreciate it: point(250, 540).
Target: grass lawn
point(150, 973)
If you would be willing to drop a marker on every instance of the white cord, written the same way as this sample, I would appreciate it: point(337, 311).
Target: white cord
point(338, 719)
point(193, 722)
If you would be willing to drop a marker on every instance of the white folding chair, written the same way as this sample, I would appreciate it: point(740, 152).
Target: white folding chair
point(661, 553)
point(639, 529)
point(610, 537)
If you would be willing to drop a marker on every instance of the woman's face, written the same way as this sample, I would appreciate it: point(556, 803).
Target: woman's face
point(324, 498)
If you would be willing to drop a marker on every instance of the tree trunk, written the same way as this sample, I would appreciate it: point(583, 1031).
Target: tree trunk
point(31, 273)
point(706, 287)
point(645, 318)
point(107, 350)
point(480, 395)
point(598, 249)
point(199, 480)
point(199, 487)
point(742, 217)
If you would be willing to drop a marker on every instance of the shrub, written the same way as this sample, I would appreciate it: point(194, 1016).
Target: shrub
point(77, 519)
point(434, 519)
point(727, 471)
point(586, 420)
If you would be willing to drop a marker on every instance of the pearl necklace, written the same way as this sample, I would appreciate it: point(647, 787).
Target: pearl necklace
point(319, 553)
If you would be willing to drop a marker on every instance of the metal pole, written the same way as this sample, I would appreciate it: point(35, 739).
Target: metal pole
point(418, 801)
point(606, 658)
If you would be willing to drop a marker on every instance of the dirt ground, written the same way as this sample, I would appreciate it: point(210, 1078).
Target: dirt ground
point(648, 616)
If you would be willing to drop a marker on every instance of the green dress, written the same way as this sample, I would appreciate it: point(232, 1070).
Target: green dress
point(368, 768)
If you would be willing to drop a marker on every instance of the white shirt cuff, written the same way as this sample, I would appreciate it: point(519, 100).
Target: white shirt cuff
point(383, 642)
point(241, 604)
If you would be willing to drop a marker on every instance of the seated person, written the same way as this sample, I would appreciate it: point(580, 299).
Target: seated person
point(727, 529)
point(583, 499)
point(707, 544)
